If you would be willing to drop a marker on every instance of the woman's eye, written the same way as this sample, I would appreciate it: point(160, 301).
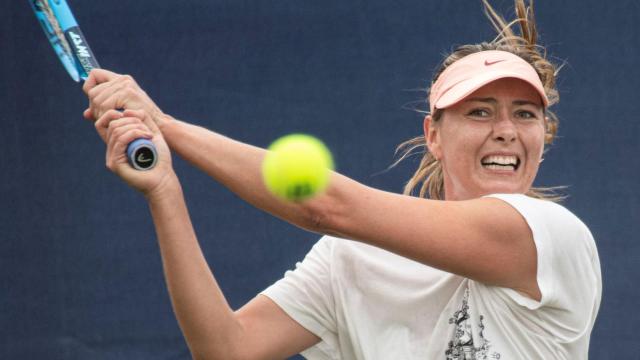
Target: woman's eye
point(479, 112)
point(524, 114)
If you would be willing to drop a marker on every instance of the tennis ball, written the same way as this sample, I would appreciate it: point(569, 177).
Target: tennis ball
point(297, 167)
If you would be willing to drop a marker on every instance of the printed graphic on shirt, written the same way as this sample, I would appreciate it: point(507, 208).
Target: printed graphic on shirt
point(462, 346)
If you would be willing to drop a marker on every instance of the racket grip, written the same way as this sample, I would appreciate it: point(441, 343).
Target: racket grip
point(142, 154)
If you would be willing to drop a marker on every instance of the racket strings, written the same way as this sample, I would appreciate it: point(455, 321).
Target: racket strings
point(55, 25)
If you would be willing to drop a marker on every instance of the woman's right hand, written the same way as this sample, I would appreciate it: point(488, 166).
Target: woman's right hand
point(118, 129)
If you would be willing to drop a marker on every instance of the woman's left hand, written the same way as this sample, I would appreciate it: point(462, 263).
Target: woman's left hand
point(107, 90)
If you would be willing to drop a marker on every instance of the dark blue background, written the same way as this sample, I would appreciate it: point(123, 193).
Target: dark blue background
point(80, 272)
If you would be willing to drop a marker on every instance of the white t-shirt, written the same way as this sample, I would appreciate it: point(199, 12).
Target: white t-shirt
point(367, 303)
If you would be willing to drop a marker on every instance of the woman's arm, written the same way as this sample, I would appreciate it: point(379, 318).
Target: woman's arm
point(483, 239)
point(237, 166)
point(260, 330)
point(211, 329)
point(206, 320)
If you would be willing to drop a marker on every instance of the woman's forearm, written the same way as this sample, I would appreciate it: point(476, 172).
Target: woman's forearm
point(237, 166)
point(207, 321)
point(445, 235)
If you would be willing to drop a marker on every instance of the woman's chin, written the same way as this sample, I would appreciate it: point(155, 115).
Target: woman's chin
point(499, 187)
point(482, 186)
point(503, 188)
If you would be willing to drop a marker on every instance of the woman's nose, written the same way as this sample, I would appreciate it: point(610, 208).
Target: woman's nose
point(504, 129)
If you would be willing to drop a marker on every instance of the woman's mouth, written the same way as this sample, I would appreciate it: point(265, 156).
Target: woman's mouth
point(501, 162)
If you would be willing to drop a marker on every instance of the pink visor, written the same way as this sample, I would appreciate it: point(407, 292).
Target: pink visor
point(472, 72)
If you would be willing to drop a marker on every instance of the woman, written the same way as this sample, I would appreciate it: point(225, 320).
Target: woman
point(485, 268)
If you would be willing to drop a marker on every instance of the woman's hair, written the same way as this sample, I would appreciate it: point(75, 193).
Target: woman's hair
point(524, 45)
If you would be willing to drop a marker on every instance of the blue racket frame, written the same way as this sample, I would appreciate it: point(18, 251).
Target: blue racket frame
point(80, 61)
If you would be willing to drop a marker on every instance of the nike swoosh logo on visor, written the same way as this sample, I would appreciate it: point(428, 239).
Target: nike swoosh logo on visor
point(489, 63)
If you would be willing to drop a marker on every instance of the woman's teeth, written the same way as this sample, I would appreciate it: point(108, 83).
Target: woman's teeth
point(495, 162)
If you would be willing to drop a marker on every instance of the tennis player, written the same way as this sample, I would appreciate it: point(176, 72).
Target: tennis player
point(481, 266)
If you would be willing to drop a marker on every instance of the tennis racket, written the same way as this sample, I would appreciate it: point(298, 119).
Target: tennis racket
point(76, 56)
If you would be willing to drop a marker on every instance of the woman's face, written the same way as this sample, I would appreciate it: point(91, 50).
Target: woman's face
point(490, 142)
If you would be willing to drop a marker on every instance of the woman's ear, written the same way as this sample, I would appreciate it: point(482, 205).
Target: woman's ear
point(548, 137)
point(432, 136)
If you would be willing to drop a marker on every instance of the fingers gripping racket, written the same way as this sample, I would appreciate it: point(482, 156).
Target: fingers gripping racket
point(72, 49)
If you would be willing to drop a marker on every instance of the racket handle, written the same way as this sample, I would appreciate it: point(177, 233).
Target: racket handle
point(142, 154)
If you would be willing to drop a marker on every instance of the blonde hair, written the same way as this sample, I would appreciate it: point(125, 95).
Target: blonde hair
point(429, 172)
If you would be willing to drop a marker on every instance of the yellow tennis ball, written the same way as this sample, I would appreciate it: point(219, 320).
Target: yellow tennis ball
point(297, 167)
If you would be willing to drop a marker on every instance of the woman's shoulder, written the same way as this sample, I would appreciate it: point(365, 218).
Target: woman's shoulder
point(550, 218)
point(552, 221)
point(550, 211)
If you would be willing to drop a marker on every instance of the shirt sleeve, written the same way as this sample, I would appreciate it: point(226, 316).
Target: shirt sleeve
point(305, 294)
point(568, 268)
